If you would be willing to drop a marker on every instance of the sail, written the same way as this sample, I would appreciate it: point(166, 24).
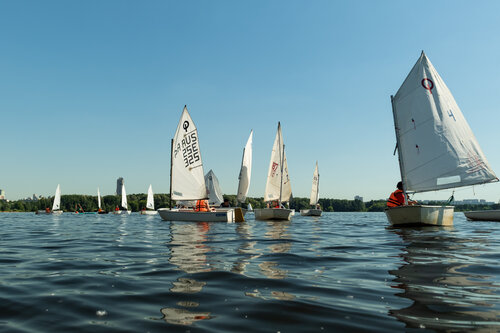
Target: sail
point(188, 181)
point(249, 207)
point(245, 171)
point(98, 198)
point(124, 198)
point(278, 182)
point(215, 197)
point(150, 204)
point(436, 146)
point(57, 199)
point(315, 187)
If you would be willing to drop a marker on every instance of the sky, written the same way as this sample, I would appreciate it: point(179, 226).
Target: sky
point(93, 90)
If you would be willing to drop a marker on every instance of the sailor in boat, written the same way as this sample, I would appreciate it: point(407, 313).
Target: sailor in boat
point(47, 210)
point(202, 206)
point(397, 197)
point(117, 208)
point(225, 203)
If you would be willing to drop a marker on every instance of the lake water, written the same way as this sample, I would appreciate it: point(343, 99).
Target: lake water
point(344, 272)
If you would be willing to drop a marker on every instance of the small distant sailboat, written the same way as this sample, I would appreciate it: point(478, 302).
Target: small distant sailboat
point(187, 181)
point(124, 205)
point(436, 147)
point(278, 187)
point(245, 171)
point(316, 211)
point(215, 196)
point(150, 204)
point(56, 206)
point(99, 208)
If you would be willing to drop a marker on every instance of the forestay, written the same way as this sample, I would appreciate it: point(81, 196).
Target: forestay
point(245, 171)
point(315, 187)
point(278, 182)
point(215, 197)
point(57, 199)
point(188, 181)
point(150, 204)
point(124, 197)
point(436, 146)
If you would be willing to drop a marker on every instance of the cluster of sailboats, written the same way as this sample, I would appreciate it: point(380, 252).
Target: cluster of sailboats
point(436, 150)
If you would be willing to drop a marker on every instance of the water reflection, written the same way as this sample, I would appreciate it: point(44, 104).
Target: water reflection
point(436, 277)
point(246, 249)
point(188, 251)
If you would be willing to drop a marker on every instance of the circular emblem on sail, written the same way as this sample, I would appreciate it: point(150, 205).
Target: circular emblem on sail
point(428, 84)
point(185, 125)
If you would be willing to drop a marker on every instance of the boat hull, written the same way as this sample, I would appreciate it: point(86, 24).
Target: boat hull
point(420, 215)
point(149, 212)
point(483, 215)
point(43, 212)
point(192, 216)
point(282, 214)
point(124, 212)
point(311, 212)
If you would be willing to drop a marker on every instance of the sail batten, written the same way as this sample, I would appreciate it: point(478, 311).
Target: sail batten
point(436, 146)
point(187, 181)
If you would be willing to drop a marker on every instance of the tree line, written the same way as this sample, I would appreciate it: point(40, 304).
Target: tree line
point(136, 202)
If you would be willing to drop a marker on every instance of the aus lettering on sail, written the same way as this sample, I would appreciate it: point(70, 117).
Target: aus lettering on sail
point(189, 147)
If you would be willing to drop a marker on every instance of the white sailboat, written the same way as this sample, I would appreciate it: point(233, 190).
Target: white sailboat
point(316, 211)
point(278, 187)
point(99, 208)
point(436, 147)
point(124, 206)
point(150, 203)
point(56, 206)
point(187, 181)
point(245, 171)
point(215, 197)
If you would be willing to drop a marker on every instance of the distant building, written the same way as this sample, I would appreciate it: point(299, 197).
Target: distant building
point(357, 197)
point(2, 194)
point(119, 184)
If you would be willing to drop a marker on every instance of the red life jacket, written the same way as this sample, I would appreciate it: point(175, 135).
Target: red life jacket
point(202, 206)
point(396, 199)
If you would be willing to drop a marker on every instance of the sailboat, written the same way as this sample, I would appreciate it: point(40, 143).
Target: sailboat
point(436, 147)
point(278, 187)
point(56, 206)
point(124, 205)
point(150, 204)
point(215, 196)
point(316, 211)
point(245, 171)
point(187, 181)
point(99, 210)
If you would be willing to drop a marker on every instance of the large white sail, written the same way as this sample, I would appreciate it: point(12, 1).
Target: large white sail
point(315, 187)
point(57, 199)
point(150, 203)
point(188, 181)
point(436, 146)
point(278, 182)
point(124, 198)
point(245, 171)
point(215, 197)
point(98, 198)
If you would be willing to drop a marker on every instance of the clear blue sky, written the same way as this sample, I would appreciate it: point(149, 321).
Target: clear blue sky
point(93, 90)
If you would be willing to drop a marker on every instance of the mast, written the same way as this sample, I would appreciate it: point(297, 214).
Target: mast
point(171, 161)
point(282, 154)
point(400, 160)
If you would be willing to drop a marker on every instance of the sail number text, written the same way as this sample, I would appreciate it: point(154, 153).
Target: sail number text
point(190, 151)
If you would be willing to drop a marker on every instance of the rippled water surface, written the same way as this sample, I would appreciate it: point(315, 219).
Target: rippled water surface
point(345, 272)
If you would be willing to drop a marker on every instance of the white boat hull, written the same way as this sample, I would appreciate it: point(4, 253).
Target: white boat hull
point(54, 212)
point(125, 212)
point(273, 214)
point(311, 212)
point(420, 215)
point(149, 212)
point(192, 216)
point(483, 215)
